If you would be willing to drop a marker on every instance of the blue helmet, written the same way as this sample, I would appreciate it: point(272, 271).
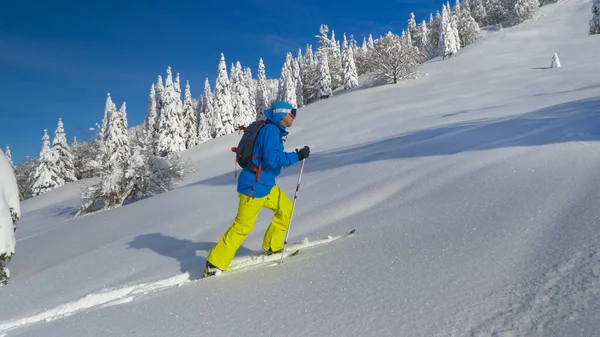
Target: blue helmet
point(281, 108)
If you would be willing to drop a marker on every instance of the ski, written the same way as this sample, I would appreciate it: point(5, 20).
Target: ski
point(260, 260)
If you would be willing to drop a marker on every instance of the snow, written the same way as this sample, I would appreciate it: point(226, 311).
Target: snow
point(474, 192)
point(9, 200)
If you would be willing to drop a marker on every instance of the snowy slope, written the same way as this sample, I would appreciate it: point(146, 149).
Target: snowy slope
point(474, 192)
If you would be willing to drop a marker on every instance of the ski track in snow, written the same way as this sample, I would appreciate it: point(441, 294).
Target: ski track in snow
point(127, 294)
point(536, 307)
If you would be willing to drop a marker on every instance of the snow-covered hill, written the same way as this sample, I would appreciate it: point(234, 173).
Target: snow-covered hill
point(474, 192)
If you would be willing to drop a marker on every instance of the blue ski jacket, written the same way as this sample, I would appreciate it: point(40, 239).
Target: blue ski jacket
point(269, 144)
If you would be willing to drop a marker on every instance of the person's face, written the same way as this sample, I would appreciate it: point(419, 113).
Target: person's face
point(288, 119)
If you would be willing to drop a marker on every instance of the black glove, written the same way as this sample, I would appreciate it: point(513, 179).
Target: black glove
point(303, 153)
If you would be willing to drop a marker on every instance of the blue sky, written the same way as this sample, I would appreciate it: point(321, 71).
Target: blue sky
point(59, 59)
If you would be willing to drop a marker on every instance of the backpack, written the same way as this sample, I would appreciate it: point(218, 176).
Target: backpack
point(243, 152)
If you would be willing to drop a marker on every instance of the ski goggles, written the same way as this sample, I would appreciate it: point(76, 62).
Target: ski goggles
point(293, 113)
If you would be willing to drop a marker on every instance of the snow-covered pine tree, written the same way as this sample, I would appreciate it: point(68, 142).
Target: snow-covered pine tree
point(334, 58)
point(159, 92)
point(234, 78)
point(116, 144)
point(251, 85)
point(46, 176)
point(170, 138)
point(447, 42)
point(310, 76)
point(524, 10)
point(595, 21)
point(9, 156)
point(497, 11)
point(350, 75)
point(243, 107)
point(410, 55)
point(412, 27)
point(468, 28)
point(179, 111)
point(206, 116)
point(454, 22)
point(261, 91)
point(62, 153)
point(323, 37)
point(298, 86)
point(272, 89)
point(189, 118)
point(223, 105)
point(109, 109)
point(361, 57)
point(287, 86)
point(422, 42)
point(478, 12)
point(434, 27)
point(324, 84)
point(151, 114)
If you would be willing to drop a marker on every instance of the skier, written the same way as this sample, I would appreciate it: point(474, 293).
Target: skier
point(258, 190)
point(10, 211)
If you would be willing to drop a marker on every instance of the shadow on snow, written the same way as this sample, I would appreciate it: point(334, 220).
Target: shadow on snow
point(184, 251)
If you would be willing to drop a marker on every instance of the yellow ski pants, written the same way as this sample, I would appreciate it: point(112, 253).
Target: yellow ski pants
point(248, 209)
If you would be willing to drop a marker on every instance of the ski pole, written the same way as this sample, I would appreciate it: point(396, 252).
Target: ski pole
point(293, 207)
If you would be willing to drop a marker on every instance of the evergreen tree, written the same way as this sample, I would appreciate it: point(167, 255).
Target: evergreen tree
point(159, 88)
point(454, 23)
point(524, 10)
point(298, 84)
point(223, 105)
point(261, 91)
point(496, 11)
point(109, 110)
point(310, 76)
point(46, 176)
point(435, 28)
point(422, 42)
point(595, 21)
point(151, 114)
point(189, 117)
point(468, 28)
point(287, 85)
point(243, 108)
point(9, 157)
point(206, 115)
point(251, 85)
point(116, 143)
point(179, 111)
point(350, 75)
point(234, 78)
point(412, 27)
point(170, 138)
point(62, 154)
point(477, 11)
point(334, 58)
point(361, 57)
point(324, 86)
point(410, 55)
point(447, 42)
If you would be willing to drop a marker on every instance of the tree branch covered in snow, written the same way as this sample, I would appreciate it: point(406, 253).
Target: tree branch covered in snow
point(142, 175)
point(595, 21)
